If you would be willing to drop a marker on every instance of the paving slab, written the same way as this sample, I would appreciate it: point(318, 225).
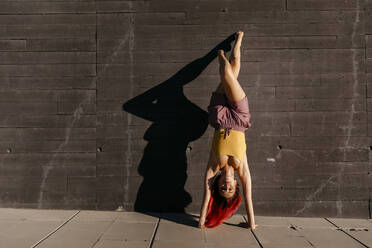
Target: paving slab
point(90, 215)
point(232, 232)
point(225, 245)
point(189, 219)
point(309, 222)
point(6, 225)
point(116, 215)
point(177, 244)
point(26, 227)
point(181, 231)
point(107, 243)
point(84, 230)
point(135, 217)
point(130, 231)
point(104, 228)
point(328, 238)
point(112, 229)
point(72, 239)
point(179, 228)
point(270, 220)
point(352, 223)
point(360, 229)
point(276, 232)
point(321, 233)
point(26, 233)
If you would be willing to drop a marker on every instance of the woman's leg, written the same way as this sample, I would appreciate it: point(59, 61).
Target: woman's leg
point(233, 90)
point(234, 58)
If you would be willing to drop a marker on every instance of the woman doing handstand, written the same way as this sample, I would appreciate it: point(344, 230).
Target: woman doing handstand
point(229, 115)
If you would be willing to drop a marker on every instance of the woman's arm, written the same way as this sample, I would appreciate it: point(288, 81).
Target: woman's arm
point(209, 173)
point(245, 178)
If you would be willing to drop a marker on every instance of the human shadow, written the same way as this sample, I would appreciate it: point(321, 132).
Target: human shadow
point(176, 122)
point(187, 219)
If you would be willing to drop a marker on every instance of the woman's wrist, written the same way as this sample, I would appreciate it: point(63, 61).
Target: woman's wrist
point(201, 221)
point(201, 225)
point(251, 223)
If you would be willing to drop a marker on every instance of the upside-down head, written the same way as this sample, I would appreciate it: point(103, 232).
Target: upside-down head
point(225, 200)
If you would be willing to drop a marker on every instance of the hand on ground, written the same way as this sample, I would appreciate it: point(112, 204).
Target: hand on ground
point(248, 226)
point(253, 227)
point(201, 226)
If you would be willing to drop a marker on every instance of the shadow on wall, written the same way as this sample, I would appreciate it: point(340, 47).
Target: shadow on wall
point(176, 122)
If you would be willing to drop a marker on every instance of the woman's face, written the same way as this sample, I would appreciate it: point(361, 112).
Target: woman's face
point(227, 186)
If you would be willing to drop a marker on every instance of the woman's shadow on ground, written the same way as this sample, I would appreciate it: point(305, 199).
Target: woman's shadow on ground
point(176, 122)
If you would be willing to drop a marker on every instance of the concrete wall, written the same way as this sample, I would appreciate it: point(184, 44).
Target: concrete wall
point(103, 103)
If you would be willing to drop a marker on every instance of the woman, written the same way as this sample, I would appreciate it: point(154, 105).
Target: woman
point(229, 115)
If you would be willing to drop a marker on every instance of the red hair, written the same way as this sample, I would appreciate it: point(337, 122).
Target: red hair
point(220, 208)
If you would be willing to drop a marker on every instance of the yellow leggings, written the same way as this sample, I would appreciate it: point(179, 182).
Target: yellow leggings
point(233, 145)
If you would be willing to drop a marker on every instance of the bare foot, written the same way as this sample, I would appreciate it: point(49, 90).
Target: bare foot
point(221, 57)
point(239, 35)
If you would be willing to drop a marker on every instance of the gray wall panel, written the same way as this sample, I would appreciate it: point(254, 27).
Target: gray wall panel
point(103, 103)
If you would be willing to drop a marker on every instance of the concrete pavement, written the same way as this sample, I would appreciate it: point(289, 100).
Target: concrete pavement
point(113, 229)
